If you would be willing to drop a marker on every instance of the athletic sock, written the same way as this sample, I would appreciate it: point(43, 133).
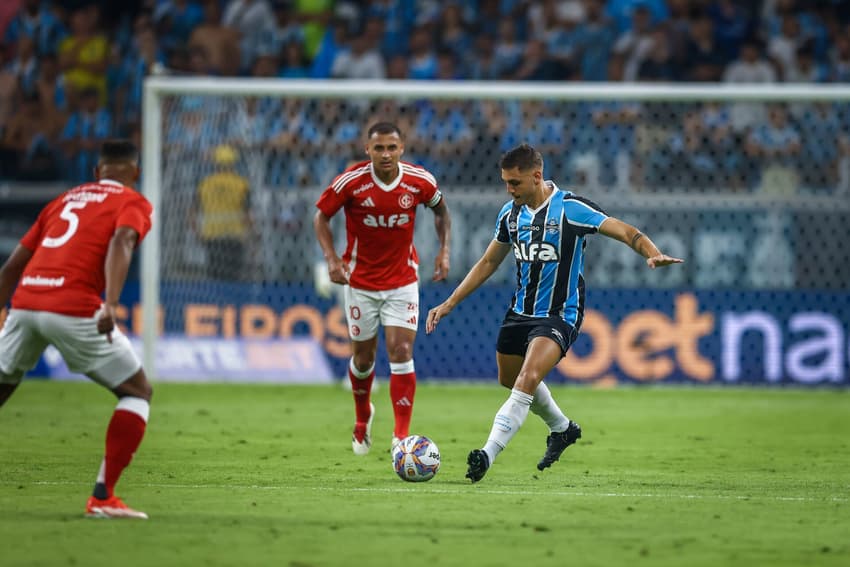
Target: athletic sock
point(361, 389)
point(509, 419)
point(123, 436)
point(402, 392)
point(545, 406)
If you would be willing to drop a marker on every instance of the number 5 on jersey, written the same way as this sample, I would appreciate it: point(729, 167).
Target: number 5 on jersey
point(69, 215)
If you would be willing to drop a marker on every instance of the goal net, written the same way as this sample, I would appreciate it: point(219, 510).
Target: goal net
point(750, 184)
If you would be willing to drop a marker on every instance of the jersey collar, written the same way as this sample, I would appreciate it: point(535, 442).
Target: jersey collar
point(386, 186)
point(550, 184)
point(110, 182)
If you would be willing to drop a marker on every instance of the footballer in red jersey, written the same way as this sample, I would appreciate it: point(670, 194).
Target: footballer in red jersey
point(379, 268)
point(79, 250)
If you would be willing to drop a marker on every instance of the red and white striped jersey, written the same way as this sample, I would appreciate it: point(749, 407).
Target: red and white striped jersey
point(379, 221)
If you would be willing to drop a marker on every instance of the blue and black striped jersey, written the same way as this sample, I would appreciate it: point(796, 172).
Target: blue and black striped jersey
point(548, 244)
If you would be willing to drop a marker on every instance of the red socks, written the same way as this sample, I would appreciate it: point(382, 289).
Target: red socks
point(361, 388)
point(123, 436)
point(402, 392)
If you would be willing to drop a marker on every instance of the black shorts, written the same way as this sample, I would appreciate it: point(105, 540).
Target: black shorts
point(518, 330)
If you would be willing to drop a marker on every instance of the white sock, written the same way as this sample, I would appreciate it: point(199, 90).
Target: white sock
point(508, 420)
point(544, 405)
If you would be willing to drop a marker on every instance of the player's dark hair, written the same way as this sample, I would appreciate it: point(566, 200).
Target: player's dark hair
point(383, 128)
point(118, 150)
point(523, 156)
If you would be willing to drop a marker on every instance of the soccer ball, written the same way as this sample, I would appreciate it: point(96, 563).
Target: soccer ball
point(416, 459)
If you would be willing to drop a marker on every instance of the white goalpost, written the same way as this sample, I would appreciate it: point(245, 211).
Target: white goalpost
point(644, 161)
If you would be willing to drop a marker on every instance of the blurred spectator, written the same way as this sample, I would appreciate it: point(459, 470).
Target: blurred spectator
point(332, 43)
point(750, 67)
point(782, 47)
point(447, 66)
point(820, 132)
point(36, 21)
point(732, 25)
point(453, 31)
point(536, 64)
point(423, 57)
point(658, 65)
point(294, 64)
point(481, 62)
point(143, 58)
point(806, 69)
point(314, 16)
point(562, 40)
point(595, 37)
point(218, 42)
point(183, 17)
point(222, 216)
point(83, 55)
point(29, 141)
point(284, 31)
point(622, 12)
point(51, 84)
point(397, 67)
point(775, 146)
point(634, 44)
point(704, 58)
point(84, 131)
point(361, 60)
point(840, 60)
point(25, 64)
point(445, 139)
point(399, 17)
point(509, 50)
point(251, 20)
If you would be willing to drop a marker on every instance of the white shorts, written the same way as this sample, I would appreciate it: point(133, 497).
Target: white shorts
point(391, 308)
point(27, 333)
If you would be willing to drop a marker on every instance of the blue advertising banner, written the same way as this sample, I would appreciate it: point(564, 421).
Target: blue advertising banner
point(628, 335)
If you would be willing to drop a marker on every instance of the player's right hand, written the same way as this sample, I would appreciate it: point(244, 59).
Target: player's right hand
point(106, 321)
point(338, 271)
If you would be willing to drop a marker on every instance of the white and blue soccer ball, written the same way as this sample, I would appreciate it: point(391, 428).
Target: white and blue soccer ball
point(416, 459)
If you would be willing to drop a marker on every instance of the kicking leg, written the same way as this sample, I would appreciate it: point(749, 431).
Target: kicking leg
point(541, 356)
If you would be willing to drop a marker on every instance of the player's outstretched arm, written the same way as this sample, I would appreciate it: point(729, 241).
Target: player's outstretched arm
point(443, 224)
point(483, 269)
point(637, 241)
point(337, 269)
point(118, 258)
point(11, 272)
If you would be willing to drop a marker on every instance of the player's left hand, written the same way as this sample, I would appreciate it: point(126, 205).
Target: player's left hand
point(435, 314)
point(106, 321)
point(441, 266)
point(662, 260)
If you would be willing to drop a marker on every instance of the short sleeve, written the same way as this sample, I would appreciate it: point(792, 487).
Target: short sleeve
point(332, 199)
point(138, 215)
point(583, 215)
point(32, 238)
point(502, 234)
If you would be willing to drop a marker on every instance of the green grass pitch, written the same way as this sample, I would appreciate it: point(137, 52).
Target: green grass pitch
point(264, 475)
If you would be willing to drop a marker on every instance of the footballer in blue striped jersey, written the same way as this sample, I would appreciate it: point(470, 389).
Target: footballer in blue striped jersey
point(545, 228)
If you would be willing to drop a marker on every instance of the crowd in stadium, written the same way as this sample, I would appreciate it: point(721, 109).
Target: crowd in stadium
point(71, 74)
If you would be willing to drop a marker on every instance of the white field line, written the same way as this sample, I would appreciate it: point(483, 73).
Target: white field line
point(458, 491)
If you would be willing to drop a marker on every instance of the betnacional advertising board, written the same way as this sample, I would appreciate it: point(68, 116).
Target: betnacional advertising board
point(283, 333)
